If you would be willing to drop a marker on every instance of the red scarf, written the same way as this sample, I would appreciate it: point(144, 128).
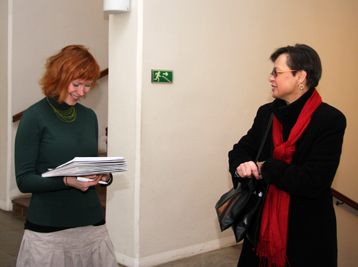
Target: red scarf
point(272, 243)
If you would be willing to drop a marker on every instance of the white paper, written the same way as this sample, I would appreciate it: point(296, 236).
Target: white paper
point(83, 166)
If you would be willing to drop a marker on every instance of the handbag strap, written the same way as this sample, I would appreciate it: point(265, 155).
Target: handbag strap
point(264, 138)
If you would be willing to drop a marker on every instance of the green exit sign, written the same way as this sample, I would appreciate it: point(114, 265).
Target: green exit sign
point(162, 76)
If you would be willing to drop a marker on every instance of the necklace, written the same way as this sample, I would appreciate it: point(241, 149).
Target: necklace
point(68, 115)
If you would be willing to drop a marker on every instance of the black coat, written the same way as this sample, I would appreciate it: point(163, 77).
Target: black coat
point(311, 237)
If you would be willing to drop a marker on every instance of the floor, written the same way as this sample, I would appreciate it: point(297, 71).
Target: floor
point(226, 257)
point(11, 231)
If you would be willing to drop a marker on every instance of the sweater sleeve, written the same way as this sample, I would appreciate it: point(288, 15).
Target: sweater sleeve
point(27, 143)
point(316, 158)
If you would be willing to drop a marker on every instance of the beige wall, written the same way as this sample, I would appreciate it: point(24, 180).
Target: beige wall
point(175, 137)
point(4, 109)
point(37, 30)
point(347, 220)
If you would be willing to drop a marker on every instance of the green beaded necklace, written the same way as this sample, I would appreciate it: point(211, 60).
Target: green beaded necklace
point(68, 115)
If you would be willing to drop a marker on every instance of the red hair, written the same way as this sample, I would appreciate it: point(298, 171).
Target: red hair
point(71, 63)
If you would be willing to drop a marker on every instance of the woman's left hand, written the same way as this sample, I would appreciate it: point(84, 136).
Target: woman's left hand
point(249, 169)
point(83, 186)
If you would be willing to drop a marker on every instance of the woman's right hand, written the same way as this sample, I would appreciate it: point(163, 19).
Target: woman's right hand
point(83, 186)
point(248, 169)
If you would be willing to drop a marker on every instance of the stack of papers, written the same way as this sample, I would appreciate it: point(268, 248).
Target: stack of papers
point(81, 166)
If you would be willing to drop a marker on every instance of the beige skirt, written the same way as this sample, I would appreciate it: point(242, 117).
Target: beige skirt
point(88, 246)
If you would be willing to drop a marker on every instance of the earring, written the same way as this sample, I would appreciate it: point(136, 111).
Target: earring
point(301, 86)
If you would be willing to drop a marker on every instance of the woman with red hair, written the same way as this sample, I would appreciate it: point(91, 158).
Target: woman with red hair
point(65, 224)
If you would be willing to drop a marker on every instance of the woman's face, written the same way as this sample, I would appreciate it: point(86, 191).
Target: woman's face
point(76, 90)
point(285, 85)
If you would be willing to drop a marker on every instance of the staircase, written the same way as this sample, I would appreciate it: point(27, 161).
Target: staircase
point(20, 205)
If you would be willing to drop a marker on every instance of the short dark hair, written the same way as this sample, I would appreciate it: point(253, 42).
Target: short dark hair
point(302, 57)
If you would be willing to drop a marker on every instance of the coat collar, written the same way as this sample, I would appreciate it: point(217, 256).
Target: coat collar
point(288, 114)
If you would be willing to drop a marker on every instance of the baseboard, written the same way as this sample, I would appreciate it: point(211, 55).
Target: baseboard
point(177, 254)
point(5, 206)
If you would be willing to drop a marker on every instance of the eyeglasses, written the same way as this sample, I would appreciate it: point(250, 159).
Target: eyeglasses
point(275, 72)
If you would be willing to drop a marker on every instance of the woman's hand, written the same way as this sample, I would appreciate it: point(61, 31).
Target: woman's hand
point(83, 186)
point(248, 169)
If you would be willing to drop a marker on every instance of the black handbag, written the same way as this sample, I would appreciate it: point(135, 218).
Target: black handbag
point(241, 207)
point(249, 221)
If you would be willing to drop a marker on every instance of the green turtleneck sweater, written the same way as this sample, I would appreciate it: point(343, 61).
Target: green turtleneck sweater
point(43, 141)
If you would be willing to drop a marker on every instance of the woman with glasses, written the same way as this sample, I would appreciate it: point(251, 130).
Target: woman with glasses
point(65, 224)
point(298, 162)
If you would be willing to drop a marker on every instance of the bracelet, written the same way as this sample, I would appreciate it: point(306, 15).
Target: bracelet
point(66, 184)
point(259, 165)
point(236, 175)
point(110, 180)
